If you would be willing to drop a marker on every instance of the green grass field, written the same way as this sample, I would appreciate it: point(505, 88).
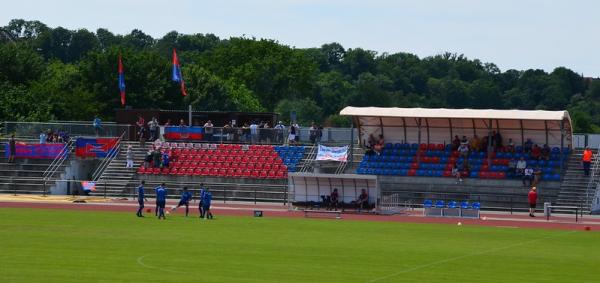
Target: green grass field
point(74, 246)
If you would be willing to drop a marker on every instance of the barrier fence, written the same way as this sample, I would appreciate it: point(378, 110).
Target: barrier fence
point(33, 129)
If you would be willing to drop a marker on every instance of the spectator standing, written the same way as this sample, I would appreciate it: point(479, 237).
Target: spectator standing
point(153, 126)
point(319, 134)
point(297, 127)
point(532, 199)
point(292, 135)
point(141, 123)
point(266, 132)
point(42, 137)
point(156, 158)
point(279, 128)
point(97, 123)
point(254, 132)
point(312, 133)
point(455, 143)
point(208, 131)
point(12, 145)
point(129, 155)
point(246, 133)
point(497, 140)
point(148, 158)
point(165, 160)
point(587, 160)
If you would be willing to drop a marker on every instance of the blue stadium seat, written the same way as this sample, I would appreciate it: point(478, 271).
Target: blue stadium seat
point(452, 204)
point(476, 205)
point(427, 203)
point(464, 205)
point(439, 204)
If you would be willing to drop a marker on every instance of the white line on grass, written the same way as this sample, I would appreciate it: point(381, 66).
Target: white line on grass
point(465, 256)
point(140, 261)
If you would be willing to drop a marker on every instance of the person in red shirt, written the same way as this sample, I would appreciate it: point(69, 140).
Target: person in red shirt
point(587, 160)
point(532, 198)
point(536, 152)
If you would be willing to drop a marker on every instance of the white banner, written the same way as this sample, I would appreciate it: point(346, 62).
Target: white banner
point(336, 153)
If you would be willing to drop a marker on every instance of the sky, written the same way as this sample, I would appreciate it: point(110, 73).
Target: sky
point(513, 34)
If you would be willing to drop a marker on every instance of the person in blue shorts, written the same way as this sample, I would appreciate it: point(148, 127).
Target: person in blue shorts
point(186, 197)
point(141, 199)
point(206, 204)
point(156, 194)
point(161, 200)
point(200, 198)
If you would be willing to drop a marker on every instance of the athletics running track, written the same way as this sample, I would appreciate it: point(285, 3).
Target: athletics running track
point(496, 219)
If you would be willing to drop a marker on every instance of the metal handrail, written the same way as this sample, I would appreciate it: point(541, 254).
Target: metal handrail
point(594, 170)
point(309, 159)
point(112, 153)
point(58, 160)
point(342, 166)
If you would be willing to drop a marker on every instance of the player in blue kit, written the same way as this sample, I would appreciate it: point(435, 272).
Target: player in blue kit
point(200, 198)
point(186, 197)
point(206, 204)
point(141, 199)
point(161, 200)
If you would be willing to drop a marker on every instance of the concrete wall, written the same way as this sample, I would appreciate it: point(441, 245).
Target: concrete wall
point(77, 169)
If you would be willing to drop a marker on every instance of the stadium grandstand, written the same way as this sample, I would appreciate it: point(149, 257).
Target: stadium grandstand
point(409, 155)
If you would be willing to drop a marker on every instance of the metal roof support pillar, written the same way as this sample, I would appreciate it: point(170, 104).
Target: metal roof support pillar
point(381, 126)
point(562, 141)
point(418, 138)
point(546, 129)
point(404, 126)
point(351, 157)
point(489, 145)
point(427, 125)
point(522, 134)
point(450, 127)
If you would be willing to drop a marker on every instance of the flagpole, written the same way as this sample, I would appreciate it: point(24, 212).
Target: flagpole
point(190, 115)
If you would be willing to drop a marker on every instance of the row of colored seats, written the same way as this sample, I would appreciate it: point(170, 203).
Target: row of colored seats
point(239, 159)
point(247, 173)
point(451, 204)
point(220, 152)
point(227, 165)
point(291, 155)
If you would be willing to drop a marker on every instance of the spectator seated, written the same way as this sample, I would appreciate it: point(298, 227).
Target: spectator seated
point(436, 160)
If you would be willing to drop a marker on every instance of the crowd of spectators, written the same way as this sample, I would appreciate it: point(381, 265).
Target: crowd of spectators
point(51, 136)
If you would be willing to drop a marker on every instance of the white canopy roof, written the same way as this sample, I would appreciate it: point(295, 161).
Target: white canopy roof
point(429, 125)
point(456, 113)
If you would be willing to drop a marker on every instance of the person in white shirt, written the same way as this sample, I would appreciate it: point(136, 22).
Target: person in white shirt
point(208, 130)
point(528, 177)
point(254, 132)
point(279, 128)
point(521, 165)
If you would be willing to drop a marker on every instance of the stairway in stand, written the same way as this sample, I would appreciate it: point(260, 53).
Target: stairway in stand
point(117, 178)
point(574, 186)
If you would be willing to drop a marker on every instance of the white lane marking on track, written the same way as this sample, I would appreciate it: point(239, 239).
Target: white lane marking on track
point(465, 256)
point(140, 261)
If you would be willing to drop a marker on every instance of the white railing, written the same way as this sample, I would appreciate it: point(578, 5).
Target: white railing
point(112, 153)
point(594, 180)
point(58, 161)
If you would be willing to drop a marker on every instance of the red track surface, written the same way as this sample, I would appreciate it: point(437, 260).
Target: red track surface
point(564, 222)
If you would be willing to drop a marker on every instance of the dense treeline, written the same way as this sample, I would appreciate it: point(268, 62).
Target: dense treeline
point(55, 73)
